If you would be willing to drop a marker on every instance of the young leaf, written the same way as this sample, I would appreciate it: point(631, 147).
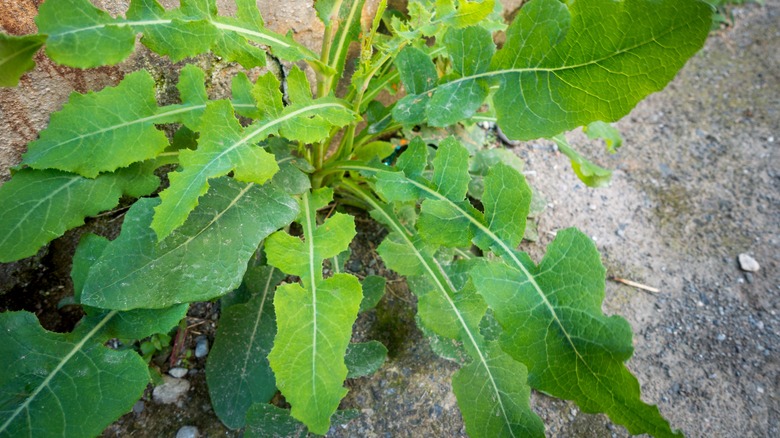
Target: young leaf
point(56, 384)
point(136, 270)
point(16, 54)
point(348, 19)
point(314, 320)
point(589, 173)
point(103, 131)
point(40, 205)
point(605, 131)
point(373, 291)
point(365, 358)
point(238, 373)
point(552, 320)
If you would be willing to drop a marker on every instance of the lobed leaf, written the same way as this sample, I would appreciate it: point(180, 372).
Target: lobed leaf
point(455, 313)
point(16, 54)
point(137, 271)
point(314, 321)
point(551, 314)
point(103, 131)
point(224, 147)
point(63, 384)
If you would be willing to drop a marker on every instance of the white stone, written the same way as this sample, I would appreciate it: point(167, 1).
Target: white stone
point(748, 263)
point(188, 432)
point(178, 372)
point(171, 390)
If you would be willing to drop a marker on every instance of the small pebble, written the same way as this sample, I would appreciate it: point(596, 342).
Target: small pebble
point(188, 432)
point(178, 372)
point(747, 263)
point(201, 347)
point(138, 407)
point(171, 390)
point(721, 337)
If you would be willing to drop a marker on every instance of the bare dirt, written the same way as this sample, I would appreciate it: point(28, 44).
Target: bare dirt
point(696, 183)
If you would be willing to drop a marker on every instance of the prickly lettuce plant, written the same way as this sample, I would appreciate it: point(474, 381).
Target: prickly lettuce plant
point(255, 206)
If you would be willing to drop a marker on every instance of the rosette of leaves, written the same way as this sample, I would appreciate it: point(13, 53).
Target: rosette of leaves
point(263, 175)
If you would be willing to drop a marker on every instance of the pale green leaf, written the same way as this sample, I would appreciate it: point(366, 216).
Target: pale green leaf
point(101, 131)
point(56, 384)
point(314, 328)
point(348, 30)
point(451, 169)
point(462, 13)
point(589, 173)
point(605, 131)
point(365, 358)
point(40, 205)
point(137, 271)
point(553, 323)
point(314, 322)
point(224, 147)
point(238, 373)
point(16, 54)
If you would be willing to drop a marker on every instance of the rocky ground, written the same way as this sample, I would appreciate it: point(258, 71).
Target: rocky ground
point(696, 184)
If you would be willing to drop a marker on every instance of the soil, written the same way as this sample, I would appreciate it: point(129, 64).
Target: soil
point(696, 183)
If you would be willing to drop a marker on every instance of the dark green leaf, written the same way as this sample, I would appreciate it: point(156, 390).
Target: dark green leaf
point(137, 271)
point(56, 384)
point(373, 291)
point(365, 358)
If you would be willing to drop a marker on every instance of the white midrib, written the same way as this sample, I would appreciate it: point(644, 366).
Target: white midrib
point(45, 383)
point(216, 24)
point(443, 289)
point(313, 284)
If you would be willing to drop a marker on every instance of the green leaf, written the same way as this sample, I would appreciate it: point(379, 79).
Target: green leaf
point(63, 384)
point(457, 313)
point(137, 271)
point(470, 50)
point(40, 205)
point(488, 415)
point(99, 132)
point(552, 320)
point(467, 13)
point(314, 320)
point(224, 147)
point(589, 173)
point(81, 35)
point(348, 31)
point(565, 66)
point(373, 291)
point(365, 358)
point(606, 131)
point(129, 325)
point(178, 34)
point(418, 74)
point(238, 373)
point(265, 420)
point(16, 54)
